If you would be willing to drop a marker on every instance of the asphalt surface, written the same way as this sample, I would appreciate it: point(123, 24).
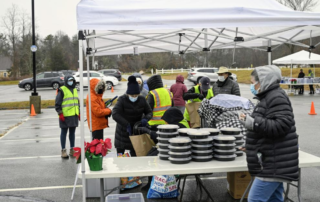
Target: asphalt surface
point(32, 170)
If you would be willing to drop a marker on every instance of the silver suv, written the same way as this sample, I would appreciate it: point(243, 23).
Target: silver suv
point(196, 74)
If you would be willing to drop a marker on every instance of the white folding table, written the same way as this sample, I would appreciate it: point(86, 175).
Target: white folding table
point(149, 166)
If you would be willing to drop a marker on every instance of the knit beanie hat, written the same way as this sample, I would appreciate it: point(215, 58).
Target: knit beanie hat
point(133, 86)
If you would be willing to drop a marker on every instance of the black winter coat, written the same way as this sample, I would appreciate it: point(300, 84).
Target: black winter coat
point(126, 112)
point(229, 86)
point(274, 136)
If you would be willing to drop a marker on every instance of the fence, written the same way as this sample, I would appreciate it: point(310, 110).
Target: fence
point(170, 71)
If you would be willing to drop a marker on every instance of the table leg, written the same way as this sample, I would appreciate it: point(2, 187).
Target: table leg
point(287, 192)
point(101, 190)
point(205, 189)
point(200, 188)
point(299, 186)
point(183, 186)
point(247, 190)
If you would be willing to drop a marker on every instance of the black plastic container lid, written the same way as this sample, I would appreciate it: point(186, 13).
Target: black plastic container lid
point(180, 159)
point(208, 139)
point(177, 147)
point(219, 150)
point(201, 145)
point(224, 145)
point(224, 156)
point(224, 138)
point(202, 157)
point(163, 150)
point(202, 151)
point(179, 153)
point(162, 145)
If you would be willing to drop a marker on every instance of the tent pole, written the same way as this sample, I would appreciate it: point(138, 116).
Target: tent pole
point(83, 169)
point(89, 95)
point(206, 46)
point(269, 52)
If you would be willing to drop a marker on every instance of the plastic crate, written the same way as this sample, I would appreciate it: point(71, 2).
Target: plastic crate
point(134, 197)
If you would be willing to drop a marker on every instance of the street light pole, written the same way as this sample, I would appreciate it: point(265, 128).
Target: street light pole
point(34, 52)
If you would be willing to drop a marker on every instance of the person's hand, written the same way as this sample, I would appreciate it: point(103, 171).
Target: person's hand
point(242, 117)
point(61, 117)
point(144, 122)
point(243, 149)
point(201, 97)
point(143, 130)
point(129, 129)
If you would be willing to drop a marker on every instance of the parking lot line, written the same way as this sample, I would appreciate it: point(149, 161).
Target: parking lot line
point(40, 188)
point(29, 157)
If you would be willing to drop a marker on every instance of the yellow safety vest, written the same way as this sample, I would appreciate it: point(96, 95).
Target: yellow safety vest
point(70, 102)
point(185, 123)
point(162, 101)
point(196, 90)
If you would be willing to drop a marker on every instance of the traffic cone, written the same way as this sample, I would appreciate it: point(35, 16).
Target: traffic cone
point(112, 89)
point(33, 112)
point(312, 110)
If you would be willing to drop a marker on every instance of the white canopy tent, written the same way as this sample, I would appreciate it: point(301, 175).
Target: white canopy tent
point(301, 57)
point(109, 27)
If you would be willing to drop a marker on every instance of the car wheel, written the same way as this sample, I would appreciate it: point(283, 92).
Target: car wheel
point(55, 86)
point(198, 80)
point(27, 87)
point(109, 85)
point(77, 86)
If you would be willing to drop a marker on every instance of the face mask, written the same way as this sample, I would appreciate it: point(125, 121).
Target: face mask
point(133, 99)
point(221, 78)
point(70, 83)
point(253, 90)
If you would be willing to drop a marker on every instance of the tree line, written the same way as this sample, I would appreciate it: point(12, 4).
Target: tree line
point(60, 52)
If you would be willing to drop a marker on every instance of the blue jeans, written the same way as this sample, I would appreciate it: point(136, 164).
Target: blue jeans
point(262, 191)
point(63, 137)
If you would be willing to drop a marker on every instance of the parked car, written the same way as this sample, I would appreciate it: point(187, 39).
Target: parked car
point(44, 79)
point(112, 72)
point(68, 72)
point(196, 74)
point(110, 80)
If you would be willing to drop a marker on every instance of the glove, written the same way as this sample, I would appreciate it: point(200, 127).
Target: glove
point(129, 129)
point(144, 130)
point(201, 97)
point(144, 122)
point(61, 117)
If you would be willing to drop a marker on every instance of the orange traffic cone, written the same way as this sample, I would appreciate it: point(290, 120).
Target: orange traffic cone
point(33, 112)
point(312, 110)
point(112, 89)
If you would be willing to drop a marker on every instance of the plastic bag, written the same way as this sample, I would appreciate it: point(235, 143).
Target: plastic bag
point(163, 186)
point(126, 180)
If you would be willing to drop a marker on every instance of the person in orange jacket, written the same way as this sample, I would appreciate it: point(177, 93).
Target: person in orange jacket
point(99, 112)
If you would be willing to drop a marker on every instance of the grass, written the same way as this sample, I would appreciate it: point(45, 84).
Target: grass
point(123, 79)
point(26, 104)
point(9, 82)
point(174, 75)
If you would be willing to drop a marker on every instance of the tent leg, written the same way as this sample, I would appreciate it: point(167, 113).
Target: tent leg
point(269, 52)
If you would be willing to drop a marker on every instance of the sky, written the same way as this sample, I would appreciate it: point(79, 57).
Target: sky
point(54, 15)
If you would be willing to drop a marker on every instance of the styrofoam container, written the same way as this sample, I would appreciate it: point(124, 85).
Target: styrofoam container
point(180, 160)
point(225, 158)
point(179, 149)
point(202, 158)
point(132, 197)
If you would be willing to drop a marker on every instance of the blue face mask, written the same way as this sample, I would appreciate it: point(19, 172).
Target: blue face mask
point(253, 90)
point(133, 99)
point(70, 83)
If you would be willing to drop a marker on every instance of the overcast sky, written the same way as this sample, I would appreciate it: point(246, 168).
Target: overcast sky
point(54, 15)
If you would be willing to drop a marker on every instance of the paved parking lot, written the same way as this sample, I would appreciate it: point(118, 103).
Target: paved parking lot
point(32, 170)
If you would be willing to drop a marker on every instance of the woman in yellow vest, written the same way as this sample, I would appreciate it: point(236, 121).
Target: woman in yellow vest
point(198, 93)
point(67, 107)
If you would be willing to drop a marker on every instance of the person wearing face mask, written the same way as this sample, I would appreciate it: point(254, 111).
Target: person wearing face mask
point(225, 84)
point(272, 141)
point(198, 93)
point(143, 92)
point(67, 107)
point(99, 112)
point(130, 109)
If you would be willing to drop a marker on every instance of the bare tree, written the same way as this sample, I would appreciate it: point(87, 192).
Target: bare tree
point(300, 5)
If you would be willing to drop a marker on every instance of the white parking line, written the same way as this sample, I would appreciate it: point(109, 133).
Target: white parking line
point(40, 188)
point(29, 157)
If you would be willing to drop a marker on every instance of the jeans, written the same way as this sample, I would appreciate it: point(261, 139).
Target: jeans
point(63, 137)
point(262, 191)
point(132, 152)
point(97, 134)
point(181, 108)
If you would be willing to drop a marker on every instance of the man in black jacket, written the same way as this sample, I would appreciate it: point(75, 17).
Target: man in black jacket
point(301, 88)
point(272, 142)
point(225, 84)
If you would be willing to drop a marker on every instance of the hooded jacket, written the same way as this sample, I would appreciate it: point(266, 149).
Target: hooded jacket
point(178, 89)
point(143, 92)
point(71, 121)
point(273, 133)
point(229, 86)
point(98, 108)
point(126, 112)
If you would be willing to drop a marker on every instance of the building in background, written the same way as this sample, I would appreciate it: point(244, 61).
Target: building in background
point(5, 65)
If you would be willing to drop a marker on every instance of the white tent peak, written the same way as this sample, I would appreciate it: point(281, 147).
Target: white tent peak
point(301, 57)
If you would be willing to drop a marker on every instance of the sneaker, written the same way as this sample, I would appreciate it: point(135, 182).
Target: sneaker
point(71, 152)
point(64, 154)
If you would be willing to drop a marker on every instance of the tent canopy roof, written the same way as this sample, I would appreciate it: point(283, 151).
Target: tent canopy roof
point(301, 57)
point(154, 26)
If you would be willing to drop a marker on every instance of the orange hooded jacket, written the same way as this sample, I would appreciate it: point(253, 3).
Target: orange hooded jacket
point(98, 108)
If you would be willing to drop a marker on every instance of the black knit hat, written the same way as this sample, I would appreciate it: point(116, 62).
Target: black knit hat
point(133, 86)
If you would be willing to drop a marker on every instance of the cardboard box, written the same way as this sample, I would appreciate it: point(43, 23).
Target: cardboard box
point(238, 183)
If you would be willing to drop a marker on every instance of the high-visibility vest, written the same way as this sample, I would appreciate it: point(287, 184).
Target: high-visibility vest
point(70, 102)
point(196, 90)
point(185, 123)
point(162, 101)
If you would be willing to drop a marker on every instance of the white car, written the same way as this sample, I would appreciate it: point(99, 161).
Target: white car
point(110, 80)
point(196, 74)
